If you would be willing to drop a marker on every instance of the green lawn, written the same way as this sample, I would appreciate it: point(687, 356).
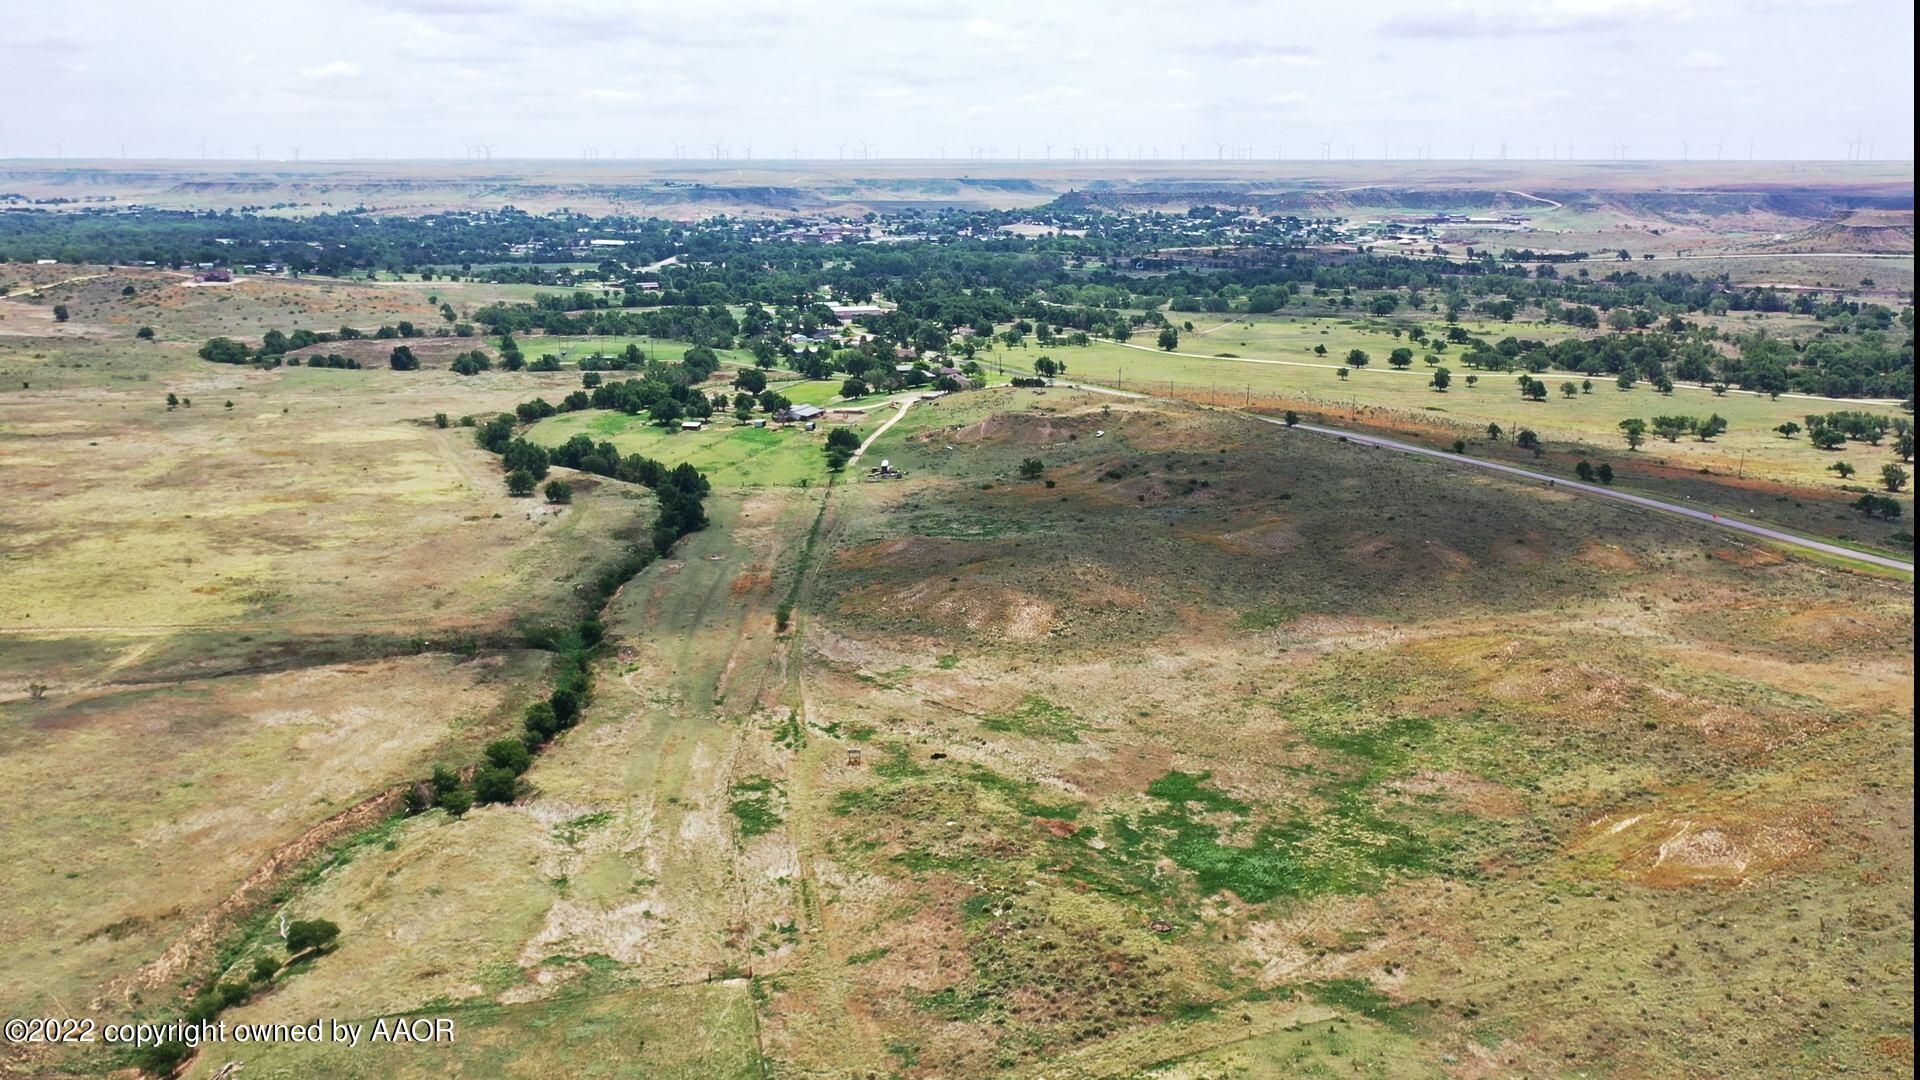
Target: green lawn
point(730, 455)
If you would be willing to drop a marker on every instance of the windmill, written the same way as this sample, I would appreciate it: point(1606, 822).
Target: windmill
point(1503, 150)
point(866, 150)
point(1183, 151)
point(678, 151)
point(59, 149)
point(1719, 149)
point(840, 150)
point(123, 151)
point(1686, 150)
point(1471, 147)
point(1049, 151)
point(487, 149)
point(296, 153)
point(1220, 150)
point(796, 151)
point(202, 144)
point(749, 151)
point(256, 152)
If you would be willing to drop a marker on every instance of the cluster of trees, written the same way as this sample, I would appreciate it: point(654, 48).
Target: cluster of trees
point(471, 362)
point(1671, 428)
point(302, 938)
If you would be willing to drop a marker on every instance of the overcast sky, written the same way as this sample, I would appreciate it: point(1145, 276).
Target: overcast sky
point(426, 78)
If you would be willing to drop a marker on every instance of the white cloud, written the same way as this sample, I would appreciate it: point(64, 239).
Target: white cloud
point(1702, 59)
point(336, 69)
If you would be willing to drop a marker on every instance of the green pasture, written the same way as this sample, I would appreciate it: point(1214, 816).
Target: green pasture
point(731, 455)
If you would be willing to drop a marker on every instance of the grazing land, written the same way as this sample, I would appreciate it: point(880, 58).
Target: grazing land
point(357, 661)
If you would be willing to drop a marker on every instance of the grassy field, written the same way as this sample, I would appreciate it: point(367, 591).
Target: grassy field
point(1758, 469)
point(732, 455)
point(1120, 737)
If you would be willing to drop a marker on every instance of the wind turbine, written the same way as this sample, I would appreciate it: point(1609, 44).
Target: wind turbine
point(1220, 150)
point(202, 144)
point(1719, 150)
point(840, 150)
point(1686, 150)
point(59, 148)
point(487, 148)
point(749, 151)
point(296, 153)
point(678, 150)
point(1049, 151)
point(866, 150)
point(256, 152)
point(123, 151)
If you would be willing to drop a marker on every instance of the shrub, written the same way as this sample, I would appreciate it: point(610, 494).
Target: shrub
point(309, 935)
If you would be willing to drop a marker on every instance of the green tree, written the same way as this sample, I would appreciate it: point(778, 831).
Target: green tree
point(1788, 430)
point(402, 359)
point(1169, 339)
point(1584, 471)
point(145, 333)
point(855, 387)
point(1442, 378)
point(1401, 358)
point(1635, 430)
point(59, 313)
point(1710, 427)
point(1842, 469)
point(495, 785)
point(520, 483)
point(1893, 477)
point(1032, 468)
point(310, 935)
point(559, 492)
point(1671, 428)
point(1291, 418)
point(1604, 473)
point(509, 754)
point(1357, 358)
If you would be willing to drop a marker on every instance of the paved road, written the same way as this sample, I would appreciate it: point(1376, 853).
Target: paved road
point(1710, 518)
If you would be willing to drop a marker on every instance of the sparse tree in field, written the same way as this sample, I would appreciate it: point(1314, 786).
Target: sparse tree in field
point(440, 420)
point(402, 359)
point(1893, 477)
point(173, 401)
point(1713, 425)
point(1569, 389)
point(1032, 468)
point(1826, 437)
point(1625, 380)
point(1604, 473)
point(1719, 389)
point(1342, 372)
point(1585, 471)
point(1879, 506)
point(1320, 349)
point(1586, 386)
point(1527, 439)
point(145, 333)
point(1788, 430)
point(1401, 358)
point(59, 313)
point(1903, 445)
point(1169, 339)
point(1635, 431)
point(1459, 446)
point(520, 483)
point(1047, 367)
point(1842, 469)
point(310, 935)
point(1442, 378)
point(1494, 432)
point(1472, 380)
point(1358, 358)
point(1291, 418)
point(559, 492)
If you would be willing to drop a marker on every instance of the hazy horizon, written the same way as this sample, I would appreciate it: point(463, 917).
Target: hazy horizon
point(434, 80)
